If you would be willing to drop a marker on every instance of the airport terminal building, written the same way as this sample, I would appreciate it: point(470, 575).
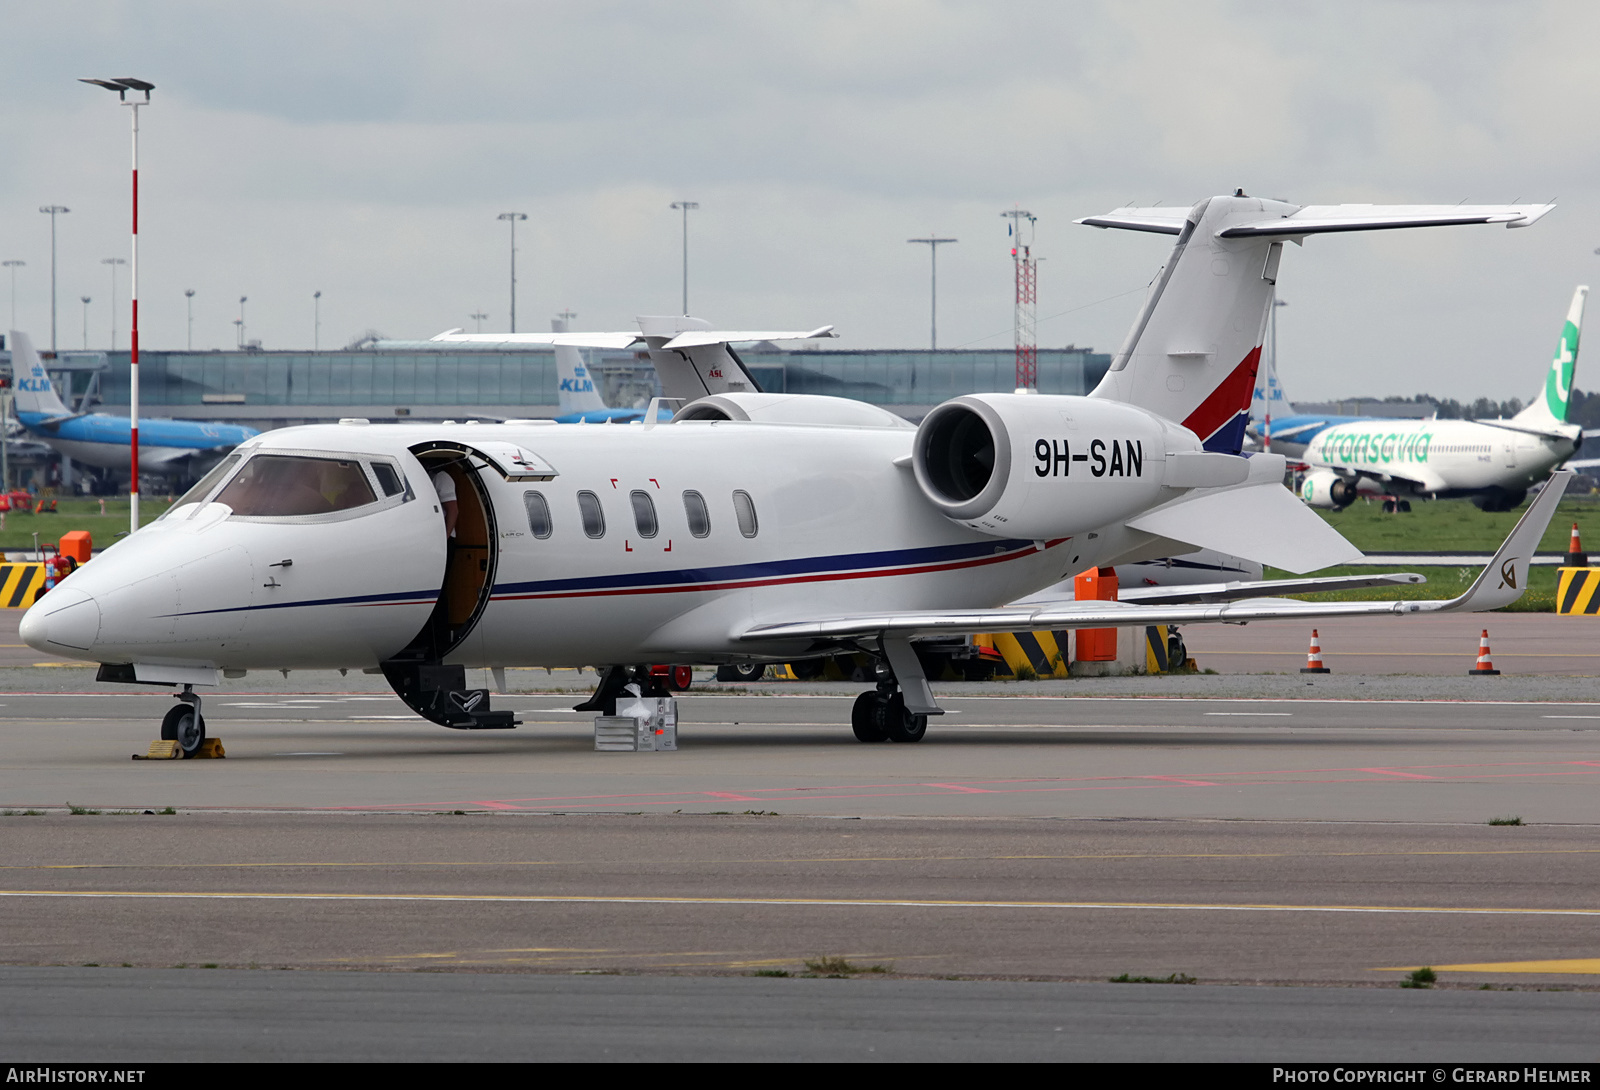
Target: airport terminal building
point(276, 389)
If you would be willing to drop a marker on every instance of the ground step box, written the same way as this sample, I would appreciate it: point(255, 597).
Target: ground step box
point(641, 725)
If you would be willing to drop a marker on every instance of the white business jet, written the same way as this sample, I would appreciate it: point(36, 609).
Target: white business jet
point(752, 526)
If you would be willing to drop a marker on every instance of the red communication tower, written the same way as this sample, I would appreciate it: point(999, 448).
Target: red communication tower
point(1026, 314)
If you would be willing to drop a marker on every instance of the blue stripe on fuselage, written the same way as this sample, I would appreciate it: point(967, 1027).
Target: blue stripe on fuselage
point(686, 579)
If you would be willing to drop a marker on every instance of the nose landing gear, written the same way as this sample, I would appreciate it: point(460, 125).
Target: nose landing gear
point(184, 724)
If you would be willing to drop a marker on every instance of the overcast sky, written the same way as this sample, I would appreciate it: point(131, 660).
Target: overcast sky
point(364, 149)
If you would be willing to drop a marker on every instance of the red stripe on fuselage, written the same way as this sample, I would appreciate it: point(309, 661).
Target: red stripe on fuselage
point(1228, 400)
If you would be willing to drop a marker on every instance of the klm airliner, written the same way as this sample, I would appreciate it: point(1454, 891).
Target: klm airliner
point(169, 448)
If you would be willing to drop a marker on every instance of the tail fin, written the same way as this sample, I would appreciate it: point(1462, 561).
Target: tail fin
point(34, 394)
point(575, 387)
point(1194, 350)
point(1550, 407)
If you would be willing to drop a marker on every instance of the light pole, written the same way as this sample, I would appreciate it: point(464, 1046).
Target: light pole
point(113, 262)
point(512, 218)
point(86, 322)
point(478, 316)
point(13, 266)
point(122, 85)
point(687, 207)
point(1272, 378)
point(239, 321)
point(316, 321)
point(933, 245)
point(188, 300)
point(53, 210)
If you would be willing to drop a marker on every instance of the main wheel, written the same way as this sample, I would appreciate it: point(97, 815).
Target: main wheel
point(736, 671)
point(866, 717)
point(187, 727)
point(900, 725)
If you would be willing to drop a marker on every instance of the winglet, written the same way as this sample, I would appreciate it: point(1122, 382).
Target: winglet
point(1505, 577)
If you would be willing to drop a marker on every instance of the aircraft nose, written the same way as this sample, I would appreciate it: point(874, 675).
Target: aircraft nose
point(65, 621)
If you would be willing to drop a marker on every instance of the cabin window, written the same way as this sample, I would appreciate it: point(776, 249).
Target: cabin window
point(283, 485)
point(644, 514)
point(539, 524)
point(389, 478)
point(745, 508)
point(594, 519)
point(699, 515)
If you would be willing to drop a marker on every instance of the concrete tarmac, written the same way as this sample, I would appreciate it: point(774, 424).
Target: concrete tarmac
point(1239, 828)
point(150, 1016)
point(1223, 901)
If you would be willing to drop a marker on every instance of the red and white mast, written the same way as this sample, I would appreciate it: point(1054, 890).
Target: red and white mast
point(122, 86)
point(1026, 313)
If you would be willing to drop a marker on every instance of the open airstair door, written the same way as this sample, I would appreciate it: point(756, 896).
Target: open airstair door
point(419, 675)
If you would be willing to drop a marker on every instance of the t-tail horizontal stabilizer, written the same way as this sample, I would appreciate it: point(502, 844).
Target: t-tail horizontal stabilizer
point(1194, 350)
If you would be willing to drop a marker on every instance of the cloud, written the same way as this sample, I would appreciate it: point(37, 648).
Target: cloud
point(364, 150)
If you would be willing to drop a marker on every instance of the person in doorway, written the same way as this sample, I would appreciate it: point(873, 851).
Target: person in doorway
point(445, 486)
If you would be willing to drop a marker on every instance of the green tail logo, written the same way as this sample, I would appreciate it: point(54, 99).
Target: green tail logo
point(1558, 383)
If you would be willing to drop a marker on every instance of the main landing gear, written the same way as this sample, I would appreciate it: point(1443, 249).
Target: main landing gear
point(898, 709)
point(881, 715)
point(184, 724)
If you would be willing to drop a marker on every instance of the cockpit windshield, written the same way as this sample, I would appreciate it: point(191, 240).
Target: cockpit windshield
point(283, 484)
point(200, 491)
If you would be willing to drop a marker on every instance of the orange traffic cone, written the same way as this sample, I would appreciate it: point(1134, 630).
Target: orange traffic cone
point(1484, 668)
point(1314, 658)
point(1576, 557)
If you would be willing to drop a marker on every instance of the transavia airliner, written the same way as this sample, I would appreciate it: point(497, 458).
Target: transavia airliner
point(751, 527)
point(1494, 462)
point(171, 448)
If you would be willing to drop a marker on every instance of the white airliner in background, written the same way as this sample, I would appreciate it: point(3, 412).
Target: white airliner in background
point(752, 527)
point(1494, 462)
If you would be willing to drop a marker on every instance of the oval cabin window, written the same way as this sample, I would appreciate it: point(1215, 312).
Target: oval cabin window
point(698, 514)
point(744, 508)
point(644, 513)
point(539, 524)
point(594, 520)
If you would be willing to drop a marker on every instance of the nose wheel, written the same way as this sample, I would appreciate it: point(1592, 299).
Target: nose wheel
point(184, 724)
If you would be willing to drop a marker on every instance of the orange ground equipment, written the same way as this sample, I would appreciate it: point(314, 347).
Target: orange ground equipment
point(76, 544)
point(1484, 667)
point(1314, 657)
point(1095, 644)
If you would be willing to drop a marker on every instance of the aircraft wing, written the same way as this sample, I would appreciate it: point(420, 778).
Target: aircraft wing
point(1264, 588)
point(1558, 431)
point(1161, 221)
point(691, 339)
point(1500, 583)
point(576, 340)
point(1316, 219)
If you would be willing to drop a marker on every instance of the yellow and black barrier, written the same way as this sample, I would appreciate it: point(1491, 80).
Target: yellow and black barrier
point(20, 584)
point(1578, 591)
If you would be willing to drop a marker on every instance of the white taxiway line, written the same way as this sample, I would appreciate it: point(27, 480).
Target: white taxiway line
point(799, 902)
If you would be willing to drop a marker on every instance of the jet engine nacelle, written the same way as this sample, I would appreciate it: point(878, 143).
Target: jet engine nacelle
point(1325, 488)
point(1040, 466)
